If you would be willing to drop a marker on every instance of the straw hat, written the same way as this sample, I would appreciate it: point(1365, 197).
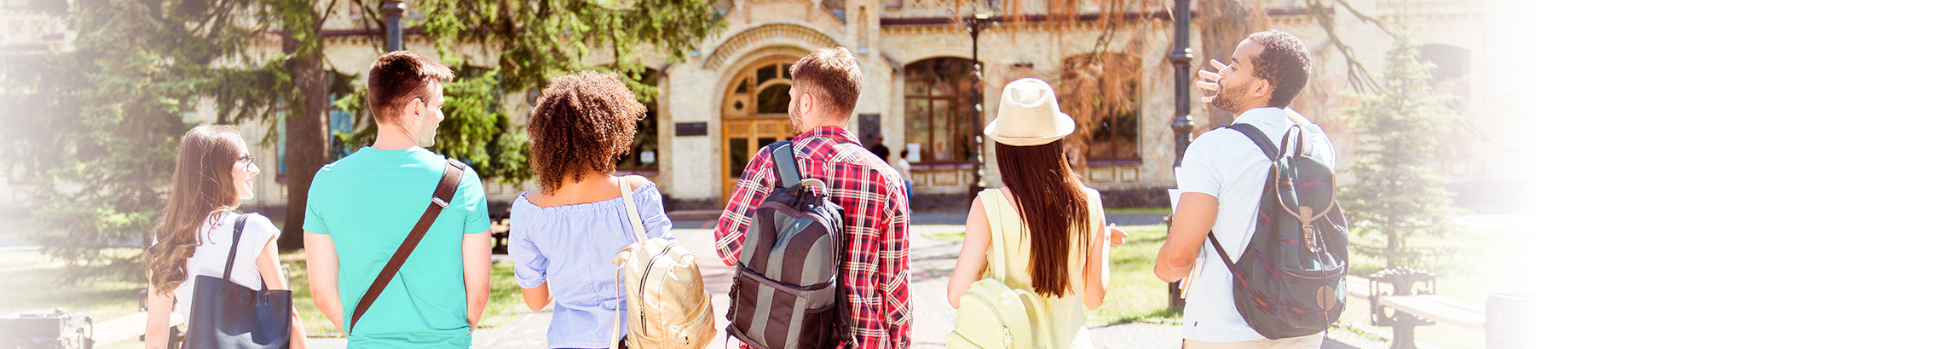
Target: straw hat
point(1029, 115)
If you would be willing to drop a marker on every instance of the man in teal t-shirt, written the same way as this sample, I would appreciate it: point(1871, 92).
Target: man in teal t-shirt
point(362, 207)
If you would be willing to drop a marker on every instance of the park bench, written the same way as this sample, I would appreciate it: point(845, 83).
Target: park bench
point(1411, 306)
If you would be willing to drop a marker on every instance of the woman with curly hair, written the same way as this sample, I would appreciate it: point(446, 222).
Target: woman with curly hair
point(213, 174)
point(564, 235)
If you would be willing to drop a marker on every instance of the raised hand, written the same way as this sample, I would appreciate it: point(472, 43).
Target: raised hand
point(1210, 80)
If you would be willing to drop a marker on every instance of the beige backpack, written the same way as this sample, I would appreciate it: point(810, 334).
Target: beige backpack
point(993, 315)
point(666, 293)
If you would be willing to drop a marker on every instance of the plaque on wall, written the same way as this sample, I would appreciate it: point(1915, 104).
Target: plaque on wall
point(869, 129)
point(688, 129)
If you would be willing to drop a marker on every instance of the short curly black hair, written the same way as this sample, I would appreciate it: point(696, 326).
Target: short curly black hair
point(580, 126)
point(1283, 62)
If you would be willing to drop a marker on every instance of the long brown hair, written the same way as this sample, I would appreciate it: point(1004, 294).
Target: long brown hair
point(204, 183)
point(1053, 207)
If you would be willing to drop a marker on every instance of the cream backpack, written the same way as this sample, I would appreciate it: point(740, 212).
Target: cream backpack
point(666, 293)
point(993, 315)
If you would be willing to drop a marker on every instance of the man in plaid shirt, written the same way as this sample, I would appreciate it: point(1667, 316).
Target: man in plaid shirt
point(826, 85)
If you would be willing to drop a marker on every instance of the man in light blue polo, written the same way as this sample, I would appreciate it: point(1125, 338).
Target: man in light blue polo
point(362, 207)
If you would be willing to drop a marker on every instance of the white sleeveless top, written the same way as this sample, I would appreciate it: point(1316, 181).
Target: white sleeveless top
point(217, 234)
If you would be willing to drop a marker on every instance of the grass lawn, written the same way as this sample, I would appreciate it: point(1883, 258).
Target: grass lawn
point(36, 288)
point(1489, 259)
point(35, 275)
point(1134, 294)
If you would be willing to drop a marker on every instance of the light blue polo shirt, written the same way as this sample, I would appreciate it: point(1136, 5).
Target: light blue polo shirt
point(367, 203)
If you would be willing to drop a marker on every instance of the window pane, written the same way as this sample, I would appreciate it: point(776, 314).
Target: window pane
point(944, 142)
point(964, 122)
point(773, 99)
point(739, 156)
point(768, 73)
point(919, 124)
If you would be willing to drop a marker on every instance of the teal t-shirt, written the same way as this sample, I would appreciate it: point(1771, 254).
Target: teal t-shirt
point(367, 203)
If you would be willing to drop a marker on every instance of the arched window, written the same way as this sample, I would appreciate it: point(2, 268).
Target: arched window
point(1104, 97)
point(761, 91)
point(940, 110)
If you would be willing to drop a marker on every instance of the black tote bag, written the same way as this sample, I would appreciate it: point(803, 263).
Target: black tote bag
point(227, 315)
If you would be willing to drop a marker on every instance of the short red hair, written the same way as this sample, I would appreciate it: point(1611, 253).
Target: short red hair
point(832, 74)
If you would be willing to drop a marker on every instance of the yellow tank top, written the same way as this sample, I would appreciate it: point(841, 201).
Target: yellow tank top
point(1067, 314)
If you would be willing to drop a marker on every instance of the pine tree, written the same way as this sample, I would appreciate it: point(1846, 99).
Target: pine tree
point(1396, 194)
point(92, 133)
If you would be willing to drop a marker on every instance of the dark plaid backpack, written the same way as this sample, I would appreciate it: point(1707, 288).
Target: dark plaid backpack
point(787, 293)
point(1289, 282)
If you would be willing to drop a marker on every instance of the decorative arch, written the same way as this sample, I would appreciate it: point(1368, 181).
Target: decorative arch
point(757, 36)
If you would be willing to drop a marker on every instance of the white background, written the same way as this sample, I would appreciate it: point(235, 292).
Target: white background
point(1734, 173)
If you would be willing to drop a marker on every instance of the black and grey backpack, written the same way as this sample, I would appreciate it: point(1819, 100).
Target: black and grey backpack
point(787, 291)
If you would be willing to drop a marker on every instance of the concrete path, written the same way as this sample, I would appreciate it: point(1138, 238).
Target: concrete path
point(931, 315)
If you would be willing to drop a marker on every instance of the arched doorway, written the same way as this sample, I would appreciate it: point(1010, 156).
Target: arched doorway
point(752, 115)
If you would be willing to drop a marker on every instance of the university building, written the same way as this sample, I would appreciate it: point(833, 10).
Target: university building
point(717, 106)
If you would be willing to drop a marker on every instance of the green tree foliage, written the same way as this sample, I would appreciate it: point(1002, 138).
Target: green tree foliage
point(528, 44)
point(92, 133)
point(1396, 194)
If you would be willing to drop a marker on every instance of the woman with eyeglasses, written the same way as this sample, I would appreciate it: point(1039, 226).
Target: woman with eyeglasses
point(213, 175)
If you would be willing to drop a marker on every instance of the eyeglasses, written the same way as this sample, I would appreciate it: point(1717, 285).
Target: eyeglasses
point(247, 160)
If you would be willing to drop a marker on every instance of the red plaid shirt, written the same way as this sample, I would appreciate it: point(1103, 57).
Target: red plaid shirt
point(877, 223)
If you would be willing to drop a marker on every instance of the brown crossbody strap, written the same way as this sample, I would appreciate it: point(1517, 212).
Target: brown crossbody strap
point(447, 187)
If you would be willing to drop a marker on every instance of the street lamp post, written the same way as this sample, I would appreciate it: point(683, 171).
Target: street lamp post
point(974, 26)
point(393, 25)
point(1182, 124)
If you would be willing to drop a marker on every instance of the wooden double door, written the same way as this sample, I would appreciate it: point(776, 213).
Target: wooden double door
point(742, 139)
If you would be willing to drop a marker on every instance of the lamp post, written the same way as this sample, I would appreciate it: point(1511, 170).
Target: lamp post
point(1182, 124)
point(974, 25)
point(393, 25)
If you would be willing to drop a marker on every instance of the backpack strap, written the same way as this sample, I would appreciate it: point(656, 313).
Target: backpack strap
point(996, 255)
point(637, 229)
point(1261, 140)
point(439, 199)
point(234, 245)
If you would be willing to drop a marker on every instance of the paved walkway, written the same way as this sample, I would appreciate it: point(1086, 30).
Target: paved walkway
point(931, 315)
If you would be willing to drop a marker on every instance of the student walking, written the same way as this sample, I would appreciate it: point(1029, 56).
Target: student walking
point(1223, 175)
point(564, 235)
point(202, 243)
point(396, 235)
point(873, 277)
point(1044, 228)
point(906, 172)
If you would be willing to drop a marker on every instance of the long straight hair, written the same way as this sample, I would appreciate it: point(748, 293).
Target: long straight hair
point(204, 183)
point(1053, 207)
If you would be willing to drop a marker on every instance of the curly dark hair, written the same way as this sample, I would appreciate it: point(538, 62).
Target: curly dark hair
point(1283, 62)
point(580, 126)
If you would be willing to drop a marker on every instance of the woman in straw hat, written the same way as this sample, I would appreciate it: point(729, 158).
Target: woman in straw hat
point(1051, 226)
